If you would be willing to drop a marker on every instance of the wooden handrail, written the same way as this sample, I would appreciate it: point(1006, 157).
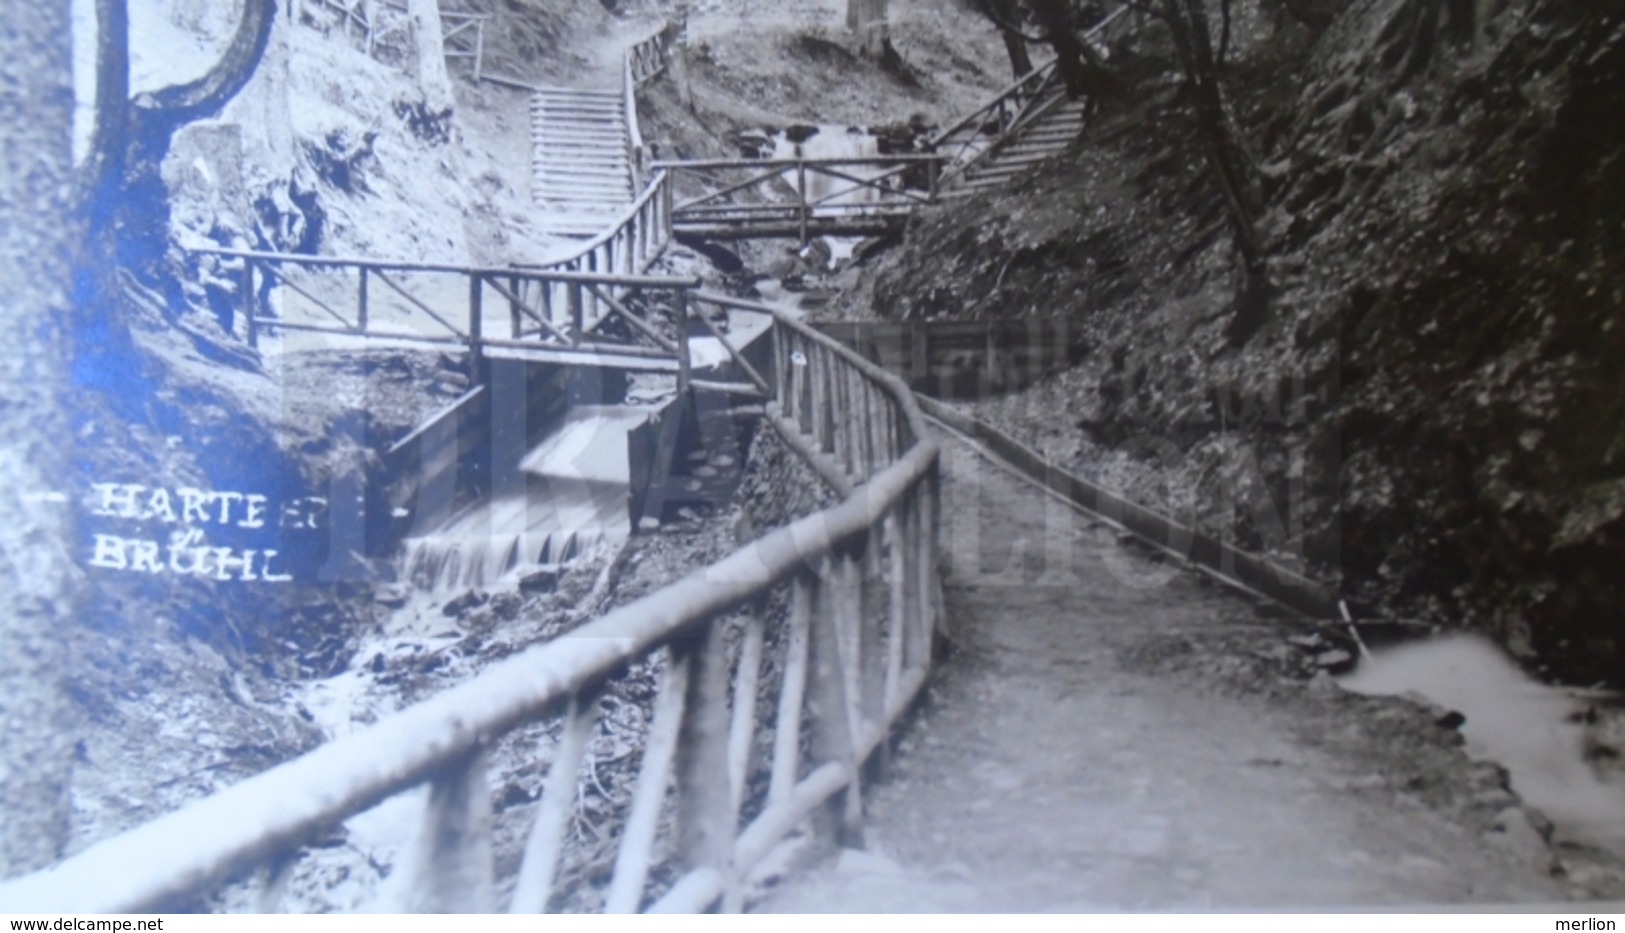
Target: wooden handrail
point(540, 271)
point(883, 531)
point(913, 158)
point(1010, 91)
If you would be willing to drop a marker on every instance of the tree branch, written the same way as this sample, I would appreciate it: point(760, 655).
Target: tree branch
point(1004, 24)
point(187, 102)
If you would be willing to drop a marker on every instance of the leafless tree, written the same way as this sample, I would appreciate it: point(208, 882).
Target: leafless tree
point(128, 208)
point(67, 234)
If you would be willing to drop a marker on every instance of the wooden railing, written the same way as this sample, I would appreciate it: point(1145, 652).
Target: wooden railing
point(462, 33)
point(799, 197)
point(832, 617)
point(643, 62)
point(646, 59)
point(628, 248)
point(970, 138)
point(464, 39)
point(561, 308)
point(978, 135)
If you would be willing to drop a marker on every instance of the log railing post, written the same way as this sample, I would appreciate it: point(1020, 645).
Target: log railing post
point(513, 307)
point(684, 364)
point(705, 814)
point(900, 559)
point(534, 883)
point(792, 690)
point(452, 860)
point(742, 727)
point(829, 709)
point(249, 302)
point(801, 198)
point(819, 391)
point(476, 325)
point(361, 302)
point(577, 307)
point(654, 776)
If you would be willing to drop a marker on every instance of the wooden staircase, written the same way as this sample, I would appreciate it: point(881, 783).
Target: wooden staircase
point(1054, 123)
point(581, 170)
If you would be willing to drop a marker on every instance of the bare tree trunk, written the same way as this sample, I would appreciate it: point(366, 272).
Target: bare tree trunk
point(428, 38)
point(1232, 168)
point(38, 243)
point(1006, 15)
point(131, 139)
point(1081, 69)
point(867, 20)
point(1020, 61)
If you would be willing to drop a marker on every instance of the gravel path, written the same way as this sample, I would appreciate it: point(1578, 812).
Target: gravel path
point(1050, 769)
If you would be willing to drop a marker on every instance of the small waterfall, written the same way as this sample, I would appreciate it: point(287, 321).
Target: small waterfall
point(834, 142)
point(573, 500)
point(1525, 726)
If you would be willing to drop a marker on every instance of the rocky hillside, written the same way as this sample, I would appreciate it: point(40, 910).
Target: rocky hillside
point(1427, 414)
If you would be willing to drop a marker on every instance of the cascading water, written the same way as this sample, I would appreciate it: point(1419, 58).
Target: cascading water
point(574, 499)
point(834, 142)
point(1526, 727)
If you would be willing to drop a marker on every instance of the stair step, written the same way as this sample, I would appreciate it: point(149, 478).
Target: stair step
point(571, 111)
point(578, 116)
point(1044, 152)
point(575, 195)
point(585, 192)
point(582, 126)
point(544, 158)
point(584, 196)
point(1024, 160)
point(997, 172)
point(616, 176)
point(562, 151)
point(579, 209)
point(570, 134)
point(572, 93)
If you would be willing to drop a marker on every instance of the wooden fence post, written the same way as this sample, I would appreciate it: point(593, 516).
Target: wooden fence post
point(476, 325)
point(705, 821)
point(513, 307)
point(453, 860)
point(684, 365)
point(250, 303)
point(831, 723)
point(801, 197)
point(361, 301)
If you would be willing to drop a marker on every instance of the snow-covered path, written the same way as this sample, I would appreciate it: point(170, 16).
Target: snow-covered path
point(1051, 770)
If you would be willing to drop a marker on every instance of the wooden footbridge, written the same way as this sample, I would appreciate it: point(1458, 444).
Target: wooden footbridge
point(782, 667)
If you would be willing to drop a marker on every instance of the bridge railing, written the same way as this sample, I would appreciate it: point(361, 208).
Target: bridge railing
point(799, 197)
point(480, 308)
point(780, 668)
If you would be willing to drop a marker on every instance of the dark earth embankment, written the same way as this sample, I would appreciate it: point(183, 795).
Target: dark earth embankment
point(1427, 414)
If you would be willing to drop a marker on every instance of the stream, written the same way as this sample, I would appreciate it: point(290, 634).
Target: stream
point(1533, 730)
